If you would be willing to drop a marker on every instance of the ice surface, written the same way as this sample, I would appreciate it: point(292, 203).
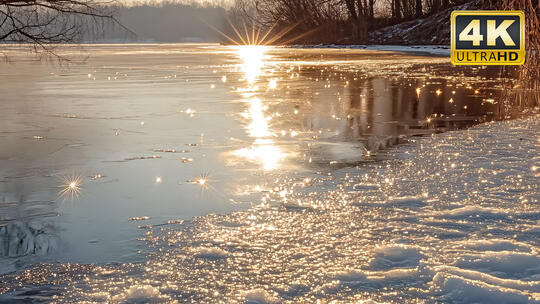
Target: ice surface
point(447, 217)
point(135, 122)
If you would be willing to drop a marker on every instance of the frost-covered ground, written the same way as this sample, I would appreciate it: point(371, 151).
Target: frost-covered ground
point(450, 218)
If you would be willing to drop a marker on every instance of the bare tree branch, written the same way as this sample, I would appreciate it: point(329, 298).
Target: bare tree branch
point(43, 24)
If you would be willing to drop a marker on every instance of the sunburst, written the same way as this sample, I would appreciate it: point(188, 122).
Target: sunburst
point(204, 181)
point(70, 186)
point(258, 36)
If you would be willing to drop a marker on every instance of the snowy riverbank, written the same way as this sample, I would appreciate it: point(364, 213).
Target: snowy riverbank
point(436, 50)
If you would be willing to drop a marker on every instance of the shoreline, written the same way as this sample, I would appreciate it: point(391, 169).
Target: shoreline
point(431, 50)
point(426, 50)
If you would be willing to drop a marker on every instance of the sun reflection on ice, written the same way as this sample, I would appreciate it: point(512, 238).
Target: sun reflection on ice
point(266, 154)
point(263, 150)
point(70, 187)
point(259, 124)
point(252, 57)
point(272, 84)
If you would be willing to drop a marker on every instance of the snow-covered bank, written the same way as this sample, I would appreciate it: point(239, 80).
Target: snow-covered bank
point(436, 50)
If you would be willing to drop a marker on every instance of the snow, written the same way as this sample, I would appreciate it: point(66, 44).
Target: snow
point(141, 294)
point(370, 302)
point(478, 276)
point(100, 297)
point(392, 256)
point(439, 50)
point(433, 29)
point(366, 187)
point(211, 253)
point(259, 296)
point(495, 245)
point(411, 202)
point(377, 278)
point(505, 264)
point(474, 212)
point(459, 290)
point(435, 50)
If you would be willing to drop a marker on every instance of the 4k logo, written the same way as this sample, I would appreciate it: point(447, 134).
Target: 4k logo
point(487, 37)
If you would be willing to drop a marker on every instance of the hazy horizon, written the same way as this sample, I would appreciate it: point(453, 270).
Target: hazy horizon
point(172, 22)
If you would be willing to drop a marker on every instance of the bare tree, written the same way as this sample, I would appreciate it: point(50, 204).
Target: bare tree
point(45, 23)
point(418, 8)
point(528, 73)
point(287, 21)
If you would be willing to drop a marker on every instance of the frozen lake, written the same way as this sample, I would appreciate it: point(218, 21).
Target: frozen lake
point(269, 174)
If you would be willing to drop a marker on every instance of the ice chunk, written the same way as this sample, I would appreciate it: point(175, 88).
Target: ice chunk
point(141, 294)
point(259, 296)
point(505, 264)
point(393, 256)
point(211, 253)
point(455, 289)
point(21, 238)
point(475, 212)
point(495, 245)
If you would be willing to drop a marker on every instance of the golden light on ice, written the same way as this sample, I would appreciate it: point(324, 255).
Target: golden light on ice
point(158, 179)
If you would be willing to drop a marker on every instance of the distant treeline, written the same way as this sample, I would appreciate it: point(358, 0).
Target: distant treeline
point(178, 21)
point(294, 21)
